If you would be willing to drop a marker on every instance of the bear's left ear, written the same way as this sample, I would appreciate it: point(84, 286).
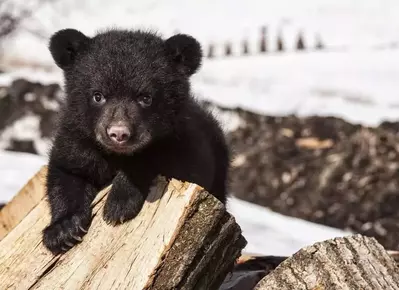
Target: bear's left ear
point(185, 51)
point(65, 45)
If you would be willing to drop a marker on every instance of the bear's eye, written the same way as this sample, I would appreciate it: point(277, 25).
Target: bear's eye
point(98, 98)
point(145, 100)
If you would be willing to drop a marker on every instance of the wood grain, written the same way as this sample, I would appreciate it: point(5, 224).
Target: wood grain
point(182, 239)
point(349, 263)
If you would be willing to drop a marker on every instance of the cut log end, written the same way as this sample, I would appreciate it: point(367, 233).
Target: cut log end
point(209, 262)
point(354, 262)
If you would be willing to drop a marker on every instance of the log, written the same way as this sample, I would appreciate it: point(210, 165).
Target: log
point(348, 263)
point(395, 256)
point(183, 238)
point(250, 269)
point(22, 203)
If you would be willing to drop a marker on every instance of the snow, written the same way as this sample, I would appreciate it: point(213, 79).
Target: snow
point(267, 232)
point(340, 23)
point(359, 86)
point(33, 74)
point(16, 169)
point(270, 233)
point(25, 128)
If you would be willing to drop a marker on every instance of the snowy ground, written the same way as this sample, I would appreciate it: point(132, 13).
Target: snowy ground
point(270, 233)
point(16, 169)
point(360, 86)
point(267, 232)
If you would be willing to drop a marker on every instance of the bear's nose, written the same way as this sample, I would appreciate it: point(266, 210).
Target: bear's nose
point(118, 133)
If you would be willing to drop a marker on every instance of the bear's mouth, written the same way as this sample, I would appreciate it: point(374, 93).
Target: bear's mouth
point(128, 148)
point(122, 149)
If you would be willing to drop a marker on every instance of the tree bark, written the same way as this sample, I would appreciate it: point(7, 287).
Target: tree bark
point(348, 263)
point(183, 238)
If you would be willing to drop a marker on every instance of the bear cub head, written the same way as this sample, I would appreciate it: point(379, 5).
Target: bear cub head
point(124, 88)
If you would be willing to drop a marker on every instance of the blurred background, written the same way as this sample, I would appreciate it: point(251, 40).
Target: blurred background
point(307, 92)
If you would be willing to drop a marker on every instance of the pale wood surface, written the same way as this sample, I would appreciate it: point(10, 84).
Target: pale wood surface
point(182, 238)
point(395, 256)
point(349, 263)
point(22, 203)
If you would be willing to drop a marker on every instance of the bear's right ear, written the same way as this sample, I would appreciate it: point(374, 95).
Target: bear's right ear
point(185, 52)
point(66, 45)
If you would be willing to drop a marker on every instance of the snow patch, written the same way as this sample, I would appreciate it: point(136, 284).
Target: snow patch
point(49, 104)
point(270, 233)
point(15, 171)
point(30, 97)
point(32, 74)
point(360, 86)
point(43, 146)
point(3, 92)
point(26, 128)
point(229, 120)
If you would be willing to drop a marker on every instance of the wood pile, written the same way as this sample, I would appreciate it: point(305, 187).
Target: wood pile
point(182, 239)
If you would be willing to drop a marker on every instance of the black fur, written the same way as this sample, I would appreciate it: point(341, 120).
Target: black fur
point(139, 81)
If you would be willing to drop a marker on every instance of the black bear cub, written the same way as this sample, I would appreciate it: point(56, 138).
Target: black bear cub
point(129, 116)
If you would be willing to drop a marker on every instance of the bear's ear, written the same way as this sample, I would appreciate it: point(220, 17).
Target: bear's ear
point(185, 51)
point(65, 45)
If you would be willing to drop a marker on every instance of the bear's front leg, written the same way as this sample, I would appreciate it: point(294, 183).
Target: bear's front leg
point(124, 201)
point(70, 200)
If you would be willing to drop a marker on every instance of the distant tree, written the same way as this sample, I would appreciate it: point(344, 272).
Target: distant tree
point(211, 51)
point(245, 48)
point(319, 42)
point(300, 45)
point(9, 19)
point(227, 49)
point(12, 13)
point(280, 43)
point(263, 43)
